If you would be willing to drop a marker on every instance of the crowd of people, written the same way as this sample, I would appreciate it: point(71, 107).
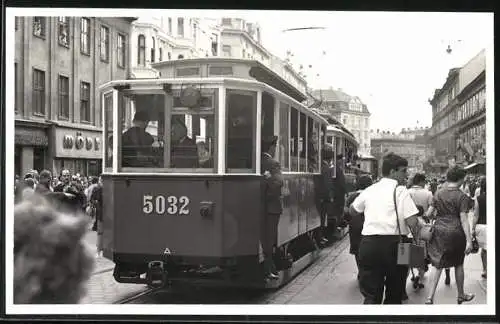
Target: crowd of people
point(395, 208)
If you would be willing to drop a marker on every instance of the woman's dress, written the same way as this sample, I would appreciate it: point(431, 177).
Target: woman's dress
point(447, 246)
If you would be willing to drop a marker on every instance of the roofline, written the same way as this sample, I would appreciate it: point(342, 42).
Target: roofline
point(453, 73)
point(244, 32)
point(157, 84)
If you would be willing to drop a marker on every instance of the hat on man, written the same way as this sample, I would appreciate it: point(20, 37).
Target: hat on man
point(142, 115)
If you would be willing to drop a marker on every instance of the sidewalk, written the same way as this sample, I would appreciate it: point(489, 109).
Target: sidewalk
point(337, 284)
point(101, 264)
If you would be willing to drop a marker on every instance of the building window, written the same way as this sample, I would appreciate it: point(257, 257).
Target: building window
point(169, 55)
point(180, 27)
point(226, 21)
point(39, 25)
point(63, 31)
point(195, 31)
point(16, 23)
point(141, 50)
point(84, 102)
point(63, 87)
point(85, 36)
point(226, 49)
point(16, 108)
point(121, 51)
point(38, 92)
point(215, 43)
point(180, 57)
point(153, 50)
point(104, 44)
point(160, 54)
point(170, 26)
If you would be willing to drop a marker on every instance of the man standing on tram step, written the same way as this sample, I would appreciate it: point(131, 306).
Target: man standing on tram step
point(379, 243)
point(339, 192)
point(271, 169)
point(137, 143)
point(326, 192)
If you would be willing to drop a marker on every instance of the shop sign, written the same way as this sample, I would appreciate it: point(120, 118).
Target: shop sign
point(78, 144)
point(31, 137)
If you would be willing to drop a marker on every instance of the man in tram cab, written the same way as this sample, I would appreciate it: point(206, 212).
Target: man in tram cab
point(137, 143)
point(184, 151)
point(271, 169)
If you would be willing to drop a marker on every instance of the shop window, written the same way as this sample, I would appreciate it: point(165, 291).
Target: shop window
point(141, 48)
point(241, 124)
point(63, 31)
point(39, 26)
point(104, 46)
point(39, 158)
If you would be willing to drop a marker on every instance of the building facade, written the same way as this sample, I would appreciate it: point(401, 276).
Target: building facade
point(410, 144)
point(458, 130)
point(156, 39)
point(59, 64)
point(351, 112)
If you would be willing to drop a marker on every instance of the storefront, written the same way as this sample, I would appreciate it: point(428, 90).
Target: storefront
point(31, 147)
point(77, 150)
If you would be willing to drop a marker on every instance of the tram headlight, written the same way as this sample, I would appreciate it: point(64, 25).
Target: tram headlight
point(207, 209)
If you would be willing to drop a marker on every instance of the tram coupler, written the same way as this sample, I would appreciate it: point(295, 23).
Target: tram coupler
point(156, 275)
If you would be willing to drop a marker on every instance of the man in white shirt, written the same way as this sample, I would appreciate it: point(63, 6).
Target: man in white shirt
point(380, 234)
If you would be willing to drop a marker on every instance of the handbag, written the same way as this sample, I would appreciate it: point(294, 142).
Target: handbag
point(475, 245)
point(408, 254)
point(426, 232)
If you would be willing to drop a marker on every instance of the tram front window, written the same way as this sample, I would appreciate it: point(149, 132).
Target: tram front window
point(184, 144)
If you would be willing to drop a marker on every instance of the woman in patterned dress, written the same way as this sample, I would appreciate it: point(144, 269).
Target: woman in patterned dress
point(451, 239)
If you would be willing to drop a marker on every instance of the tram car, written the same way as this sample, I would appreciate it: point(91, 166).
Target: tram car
point(185, 204)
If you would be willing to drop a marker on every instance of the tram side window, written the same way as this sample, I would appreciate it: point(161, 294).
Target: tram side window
point(313, 142)
point(108, 128)
point(284, 141)
point(294, 142)
point(241, 125)
point(141, 141)
point(267, 116)
point(302, 143)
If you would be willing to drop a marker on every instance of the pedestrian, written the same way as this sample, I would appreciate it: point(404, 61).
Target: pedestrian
point(451, 239)
point(96, 203)
point(382, 232)
point(422, 199)
point(51, 261)
point(271, 169)
point(339, 192)
point(44, 187)
point(433, 186)
point(479, 223)
point(356, 221)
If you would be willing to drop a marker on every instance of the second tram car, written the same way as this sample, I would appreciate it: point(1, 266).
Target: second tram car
point(186, 202)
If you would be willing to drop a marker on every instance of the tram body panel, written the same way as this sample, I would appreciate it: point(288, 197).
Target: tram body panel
point(242, 219)
point(141, 228)
point(300, 212)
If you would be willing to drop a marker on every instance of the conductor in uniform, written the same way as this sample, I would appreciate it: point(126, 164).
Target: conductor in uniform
point(271, 169)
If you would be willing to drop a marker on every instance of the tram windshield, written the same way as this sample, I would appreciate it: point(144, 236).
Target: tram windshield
point(165, 135)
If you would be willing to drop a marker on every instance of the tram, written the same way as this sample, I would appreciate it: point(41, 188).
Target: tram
point(189, 208)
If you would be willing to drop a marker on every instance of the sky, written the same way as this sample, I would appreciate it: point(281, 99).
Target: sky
point(392, 61)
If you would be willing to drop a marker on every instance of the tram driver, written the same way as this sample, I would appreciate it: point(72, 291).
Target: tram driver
point(137, 142)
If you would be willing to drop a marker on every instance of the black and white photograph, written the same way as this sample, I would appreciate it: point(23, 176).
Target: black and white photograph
point(249, 162)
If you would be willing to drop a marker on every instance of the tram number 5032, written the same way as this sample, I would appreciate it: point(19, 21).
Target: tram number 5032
point(160, 204)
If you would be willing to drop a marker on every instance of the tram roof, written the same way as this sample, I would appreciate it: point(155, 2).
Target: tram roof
point(335, 129)
point(158, 83)
point(257, 70)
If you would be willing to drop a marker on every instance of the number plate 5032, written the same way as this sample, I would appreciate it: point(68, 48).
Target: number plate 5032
point(160, 205)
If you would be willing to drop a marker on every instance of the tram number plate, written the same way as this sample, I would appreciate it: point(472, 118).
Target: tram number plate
point(160, 205)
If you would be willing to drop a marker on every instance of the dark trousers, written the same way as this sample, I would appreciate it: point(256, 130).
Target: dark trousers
point(378, 269)
point(270, 238)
